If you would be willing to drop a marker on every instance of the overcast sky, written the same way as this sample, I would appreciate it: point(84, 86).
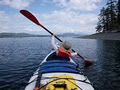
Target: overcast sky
point(59, 16)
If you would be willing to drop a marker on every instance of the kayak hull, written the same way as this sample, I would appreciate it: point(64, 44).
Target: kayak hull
point(81, 80)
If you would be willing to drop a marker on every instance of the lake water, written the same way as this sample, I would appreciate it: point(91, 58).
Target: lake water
point(19, 58)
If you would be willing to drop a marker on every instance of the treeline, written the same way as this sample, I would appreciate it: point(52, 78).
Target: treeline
point(2, 35)
point(109, 17)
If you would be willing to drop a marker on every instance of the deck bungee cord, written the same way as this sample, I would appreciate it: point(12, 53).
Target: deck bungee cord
point(39, 78)
point(59, 79)
point(68, 77)
point(56, 78)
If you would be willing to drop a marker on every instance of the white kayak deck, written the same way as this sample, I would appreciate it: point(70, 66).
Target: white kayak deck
point(84, 83)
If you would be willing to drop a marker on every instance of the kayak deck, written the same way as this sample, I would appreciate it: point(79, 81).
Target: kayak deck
point(53, 66)
point(58, 66)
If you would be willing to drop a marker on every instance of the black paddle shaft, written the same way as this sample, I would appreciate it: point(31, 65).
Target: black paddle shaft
point(32, 18)
point(51, 33)
point(59, 39)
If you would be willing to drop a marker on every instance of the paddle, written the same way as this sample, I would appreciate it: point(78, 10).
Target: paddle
point(31, 17)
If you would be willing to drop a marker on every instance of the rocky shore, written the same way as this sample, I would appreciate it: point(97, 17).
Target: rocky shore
point(103, 36)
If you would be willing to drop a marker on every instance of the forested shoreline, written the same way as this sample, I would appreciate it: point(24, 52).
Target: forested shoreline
point(109, 17)
point(4, 35)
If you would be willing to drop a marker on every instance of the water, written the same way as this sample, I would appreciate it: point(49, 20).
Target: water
point(19, 57)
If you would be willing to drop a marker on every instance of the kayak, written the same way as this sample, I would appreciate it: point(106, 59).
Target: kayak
point(56, 73)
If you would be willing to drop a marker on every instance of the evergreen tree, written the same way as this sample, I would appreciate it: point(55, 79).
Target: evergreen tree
point(107, 20)
point(108, 17)
point(118, 15)
point(101, 23)
point(112, 15)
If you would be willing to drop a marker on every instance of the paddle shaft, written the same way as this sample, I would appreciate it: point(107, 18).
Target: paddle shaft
point(51, 33)
point(32, 18)
point(59, 39)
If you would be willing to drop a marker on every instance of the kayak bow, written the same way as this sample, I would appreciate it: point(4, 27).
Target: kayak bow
point(56, 73)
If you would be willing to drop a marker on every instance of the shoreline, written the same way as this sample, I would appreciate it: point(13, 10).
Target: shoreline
point(103, 36)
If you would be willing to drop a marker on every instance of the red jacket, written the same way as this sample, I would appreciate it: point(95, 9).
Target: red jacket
point(63, 53)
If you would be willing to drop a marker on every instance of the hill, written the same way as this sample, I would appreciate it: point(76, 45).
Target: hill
point(71, 34)
point(104, 36)
point(2, 35)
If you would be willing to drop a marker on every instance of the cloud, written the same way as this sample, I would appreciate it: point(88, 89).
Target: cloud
point(17, 4)
point(69, 21)
point(83, 5)
point(56, 21)
point(3, 16)
point(61, 2)
point(20, 24)
point(70, 17)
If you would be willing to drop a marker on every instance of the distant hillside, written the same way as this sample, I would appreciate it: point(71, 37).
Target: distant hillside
point(2, 35)
point(105, 36)
point(72, 34)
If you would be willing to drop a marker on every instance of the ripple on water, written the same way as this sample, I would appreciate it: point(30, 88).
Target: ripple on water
point(19, 58)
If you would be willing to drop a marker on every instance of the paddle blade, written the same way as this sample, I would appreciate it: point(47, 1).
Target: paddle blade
point(30, 16)
point(88, 62)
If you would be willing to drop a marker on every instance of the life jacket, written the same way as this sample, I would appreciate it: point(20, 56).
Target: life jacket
point(63, 53)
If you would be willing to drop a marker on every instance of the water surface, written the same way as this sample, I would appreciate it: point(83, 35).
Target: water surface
point(19, 57)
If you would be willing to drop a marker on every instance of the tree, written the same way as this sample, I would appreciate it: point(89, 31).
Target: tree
point(118, 15)
point(107, 20)
point(111, 4)
point(108, 17)
point(100, 26)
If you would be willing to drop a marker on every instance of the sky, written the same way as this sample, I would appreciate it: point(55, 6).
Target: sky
point(59, 16)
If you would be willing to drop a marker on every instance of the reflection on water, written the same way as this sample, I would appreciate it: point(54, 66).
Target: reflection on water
point(106, 69)
point(19, 58)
